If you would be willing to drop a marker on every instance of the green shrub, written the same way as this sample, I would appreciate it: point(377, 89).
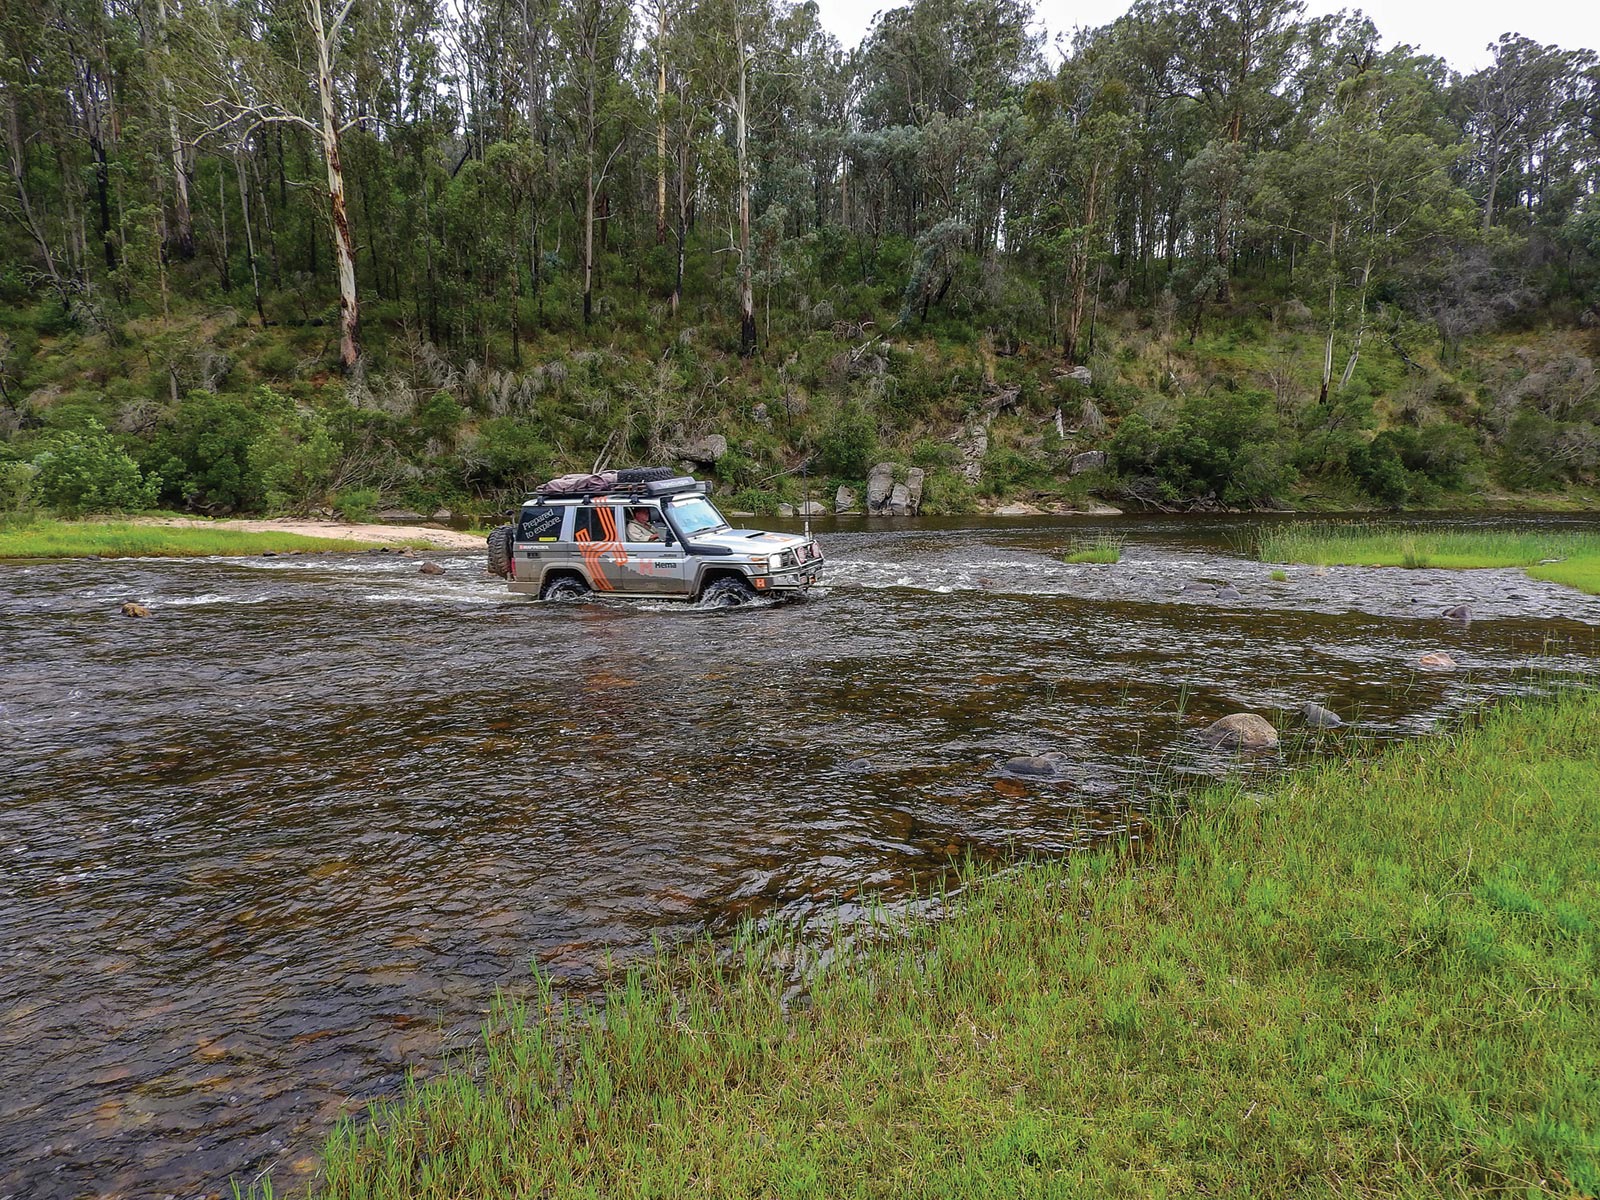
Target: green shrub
point(752, 500)
point(849, 444)
point(357, 504)
point(946, 494)
point(85, 471)
point(203, 452)
point(293, 459)
point(16, 486)
point(1224, 447)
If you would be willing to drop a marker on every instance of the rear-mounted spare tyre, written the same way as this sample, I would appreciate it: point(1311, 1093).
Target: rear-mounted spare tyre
point(500, 550)
point(645, 474)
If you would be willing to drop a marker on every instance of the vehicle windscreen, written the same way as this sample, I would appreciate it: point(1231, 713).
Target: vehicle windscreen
point(697, 515)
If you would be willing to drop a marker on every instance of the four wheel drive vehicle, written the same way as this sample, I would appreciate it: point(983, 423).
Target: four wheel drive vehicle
point(636, 534)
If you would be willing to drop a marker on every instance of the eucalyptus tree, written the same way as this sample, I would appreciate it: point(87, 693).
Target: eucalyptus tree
point(254, 71)
point(1370, 186)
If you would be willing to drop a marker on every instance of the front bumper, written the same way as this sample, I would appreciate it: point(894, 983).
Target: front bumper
point(790, 579)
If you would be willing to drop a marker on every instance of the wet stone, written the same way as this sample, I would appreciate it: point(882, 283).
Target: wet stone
point(1437, 661)
point(1318, 717)
point(1241, 731)
point(1035, 766)
point(134, 609)
point(1461, 612)
point(430, 568)
point(1228, 594)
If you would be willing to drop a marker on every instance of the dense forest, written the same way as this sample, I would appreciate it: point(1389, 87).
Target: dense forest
point(289, 254)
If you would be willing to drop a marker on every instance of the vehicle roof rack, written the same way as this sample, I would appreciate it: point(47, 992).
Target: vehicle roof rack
point(655, 488)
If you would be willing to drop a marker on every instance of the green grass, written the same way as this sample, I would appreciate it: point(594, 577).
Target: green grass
point(1280, 577)
point(1329, 544)
point(1102, 548)
point(1379, 978)
point(47, 538)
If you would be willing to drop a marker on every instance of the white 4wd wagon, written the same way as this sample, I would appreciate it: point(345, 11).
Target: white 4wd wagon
point(633, 534)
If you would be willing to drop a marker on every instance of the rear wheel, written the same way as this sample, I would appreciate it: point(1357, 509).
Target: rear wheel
point(500, 550)
point(727, 592)
point(564, 587)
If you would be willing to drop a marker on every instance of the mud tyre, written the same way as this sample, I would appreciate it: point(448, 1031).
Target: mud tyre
point(564, 587)
point(500, 550)
point(645, 474)
point(727, 592)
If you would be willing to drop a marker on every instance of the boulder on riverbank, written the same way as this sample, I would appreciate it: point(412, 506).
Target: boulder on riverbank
point(1240, 731)
point(844, 500)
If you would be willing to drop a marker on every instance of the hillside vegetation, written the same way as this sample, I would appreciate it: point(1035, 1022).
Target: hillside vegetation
point(473, 247)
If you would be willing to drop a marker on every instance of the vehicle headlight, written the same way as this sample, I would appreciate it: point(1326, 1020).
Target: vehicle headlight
point(775, 562)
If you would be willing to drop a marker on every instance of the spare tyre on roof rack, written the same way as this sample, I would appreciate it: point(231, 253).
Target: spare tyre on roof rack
point(644, 474)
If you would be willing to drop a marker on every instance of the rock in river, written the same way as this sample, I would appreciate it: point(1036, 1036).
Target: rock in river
point(431, 568)
point(1035, 766)
point(1241, 731)
point(1438, 660)
point(132, 608)
point(1460, 612)
point(1228, 594)
point(1318, 717)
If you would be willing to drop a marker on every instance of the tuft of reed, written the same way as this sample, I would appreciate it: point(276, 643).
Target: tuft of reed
point(1102, 548)
point(46, 538)
point(1561, 557)
point(1374, 978)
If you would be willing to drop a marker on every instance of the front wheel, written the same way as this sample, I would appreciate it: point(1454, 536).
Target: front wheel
point(564, 587)
point(726, 592)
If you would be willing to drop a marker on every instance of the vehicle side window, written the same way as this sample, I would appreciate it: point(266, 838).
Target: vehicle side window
point(643, 525)
point(595, 523)
point(541, 524)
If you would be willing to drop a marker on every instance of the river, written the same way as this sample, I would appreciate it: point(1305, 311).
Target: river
point(273, 847)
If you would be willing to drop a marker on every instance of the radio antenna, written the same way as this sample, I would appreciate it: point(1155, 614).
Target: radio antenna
point(805, 504)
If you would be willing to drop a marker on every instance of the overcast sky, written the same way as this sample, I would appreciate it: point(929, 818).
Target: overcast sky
point(1458, 30)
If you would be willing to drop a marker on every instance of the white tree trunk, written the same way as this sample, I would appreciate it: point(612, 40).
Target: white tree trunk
point(344, 256)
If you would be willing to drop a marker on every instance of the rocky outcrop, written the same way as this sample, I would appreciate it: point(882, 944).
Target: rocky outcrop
point(915, 479)
point(1240, 731)
point(844, 500)
point(430, 568)
point(132, 608)
point(702, 452)
point(443, 516)
point(972, 444)
point(1080, 375)
point(880, 485)
point(786, 510)
point(1228, 594)
point(1089, 460)
point(899, 501)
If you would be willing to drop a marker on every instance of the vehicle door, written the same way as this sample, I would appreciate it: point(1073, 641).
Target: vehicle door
point(597, 537)
point(655, 556)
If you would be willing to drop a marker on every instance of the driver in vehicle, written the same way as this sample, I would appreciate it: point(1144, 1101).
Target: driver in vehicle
point(640, 528)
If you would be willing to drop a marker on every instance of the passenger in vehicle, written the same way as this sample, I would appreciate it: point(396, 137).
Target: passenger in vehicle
point(640, 528)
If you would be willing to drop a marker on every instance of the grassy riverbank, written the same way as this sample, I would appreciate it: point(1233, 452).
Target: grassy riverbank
point(1381, 978)
point(125, 539)
point(1577, 555)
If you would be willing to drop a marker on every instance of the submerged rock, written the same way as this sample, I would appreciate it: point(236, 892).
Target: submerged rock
point(1241, 731)
point(1198, 587)
point(1318, 717)
point(430, 568)
point(1461, 612)
point(1438, 660)
point(1229, 594)
point(1035, 766)
point(132, 608)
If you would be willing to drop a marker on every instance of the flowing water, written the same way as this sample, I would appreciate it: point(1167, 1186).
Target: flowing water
point(273, 847)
